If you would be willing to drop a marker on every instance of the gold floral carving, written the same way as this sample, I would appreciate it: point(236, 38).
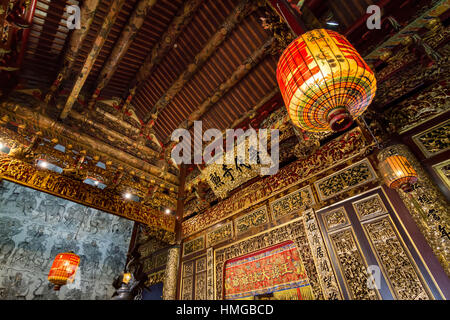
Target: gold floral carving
point(220, 234)
point(200, 265)
point(155, 278)
point(435, 140)
point(188, 269)
point(345, 179)
point(200, 286)
point(210, 274)
point(335, 219)
point(369, 207)
point(353, 266)
point(194, 245)
point(443, 171)
point(187, 287)
point(299, 200)
point(251, 220)
point(397, 264)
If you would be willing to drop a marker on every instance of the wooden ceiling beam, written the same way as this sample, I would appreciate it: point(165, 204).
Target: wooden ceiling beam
point(76, 39)
point(61, 131)
point(240, 72)
point(121, 47)
point(160, 50)
point(108, 22)
point(242, 10)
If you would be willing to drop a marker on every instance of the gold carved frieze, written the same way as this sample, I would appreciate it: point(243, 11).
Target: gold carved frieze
point(335, 219)
point(251, 220)
point(348, 178)
point(77, 191)
point(443, 171)
point(299, 200)
point(392, 255)
point(434, 140)
point(194, 245)
point(353, 265)
point(370, 207)
point(220, 234)
point(333, 153)
point(155, 278)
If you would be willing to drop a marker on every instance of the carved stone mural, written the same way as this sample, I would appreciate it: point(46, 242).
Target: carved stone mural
point(35, 226)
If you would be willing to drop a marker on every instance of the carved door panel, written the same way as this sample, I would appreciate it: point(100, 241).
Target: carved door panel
point(371, 251)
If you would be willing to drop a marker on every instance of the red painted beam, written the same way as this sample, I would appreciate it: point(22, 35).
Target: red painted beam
point(26, 32)
point(291, 17)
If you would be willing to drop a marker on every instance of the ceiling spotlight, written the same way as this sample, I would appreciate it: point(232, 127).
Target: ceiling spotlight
point(332, 23)
point(43, 164)
point(1, 145)
point(168, 211)
point(128, 195)
point(96, 182)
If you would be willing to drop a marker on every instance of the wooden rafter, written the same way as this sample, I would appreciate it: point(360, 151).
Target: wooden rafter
point(108, 22)
point(86, 16)
point(162, 47)
point(58, 130)
point(244, 8)
point(127, 36)
point(226, 86)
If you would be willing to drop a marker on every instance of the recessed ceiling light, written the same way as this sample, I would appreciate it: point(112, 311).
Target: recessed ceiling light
point(168, 211)
point(43, 164)
point(332, 23)
point(128, 195)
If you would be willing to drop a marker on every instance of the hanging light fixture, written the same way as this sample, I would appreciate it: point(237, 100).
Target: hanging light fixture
point(63, 269)
point(324, 81)
point(398, 173)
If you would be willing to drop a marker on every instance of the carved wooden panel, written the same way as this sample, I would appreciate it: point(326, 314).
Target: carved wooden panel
point(210, 274)
point(353, 265)
point(251, 220)
point(187, 287)
point(298, 200)
point(434, 140)
point(370, 207)
point(405, 282)
point(443, 171)
point(194, 245)
point(200, 265)
point(335, 219)
point(353, 176)
point(220, 234)
point(200, 286)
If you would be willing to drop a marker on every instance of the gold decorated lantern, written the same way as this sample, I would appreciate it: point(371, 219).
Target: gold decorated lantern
point(324, 81)
point(398, 173)
point(63, 269)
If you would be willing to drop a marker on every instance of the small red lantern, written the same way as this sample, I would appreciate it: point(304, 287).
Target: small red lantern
point(63, 269)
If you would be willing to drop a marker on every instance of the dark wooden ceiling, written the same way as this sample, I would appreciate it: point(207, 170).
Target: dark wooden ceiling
point(208, 85)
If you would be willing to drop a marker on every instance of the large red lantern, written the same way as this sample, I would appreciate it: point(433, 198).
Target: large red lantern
point(63, 269)
point(324, 81)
